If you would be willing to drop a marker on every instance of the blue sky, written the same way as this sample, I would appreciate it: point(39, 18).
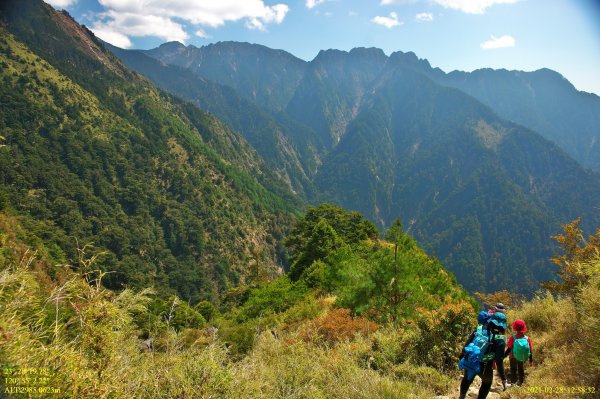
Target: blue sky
point(563, 35)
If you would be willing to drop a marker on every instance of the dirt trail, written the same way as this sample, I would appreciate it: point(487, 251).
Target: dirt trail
point(474, 389)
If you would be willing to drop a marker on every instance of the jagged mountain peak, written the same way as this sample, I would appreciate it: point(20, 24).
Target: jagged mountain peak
point(549, 76)
point(247, 46)
point(171, 49)
point(370, 54)
point(374, 52)
point(409, 58)
point(330, 54)
point(174, 45)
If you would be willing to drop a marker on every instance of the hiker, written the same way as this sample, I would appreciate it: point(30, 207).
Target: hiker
point(482, 319)
point(498, 308)
point(483, 347)
point(520, 350)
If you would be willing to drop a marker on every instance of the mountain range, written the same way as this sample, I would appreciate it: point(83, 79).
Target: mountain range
point(481, 167)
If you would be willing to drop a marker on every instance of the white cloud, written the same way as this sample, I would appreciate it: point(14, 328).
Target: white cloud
point(61, 3)
point(274, 14)
point(388, 22)
point(112, 37)
point(202, 34)
point(313, 3)
point(424, 17)
point(116, 25)
point(498, 42)
point(471, 6)
point(401, 2)
point(157, 17)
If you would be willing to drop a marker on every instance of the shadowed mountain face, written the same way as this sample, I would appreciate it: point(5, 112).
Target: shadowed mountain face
point(330, 93)
point(479, 192)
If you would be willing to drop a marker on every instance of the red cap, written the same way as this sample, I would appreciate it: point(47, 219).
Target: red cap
point(519, 326)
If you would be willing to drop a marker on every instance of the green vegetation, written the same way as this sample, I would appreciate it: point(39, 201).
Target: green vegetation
point(564, 321)
point(542, 100)
point(159, 187)
point(383, 280)
point(279, 338)
point(263, 131)
point(481, 194)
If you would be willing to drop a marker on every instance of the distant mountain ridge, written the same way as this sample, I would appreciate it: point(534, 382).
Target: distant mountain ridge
point(269, 79)
point(390, 136)
point(543, 101)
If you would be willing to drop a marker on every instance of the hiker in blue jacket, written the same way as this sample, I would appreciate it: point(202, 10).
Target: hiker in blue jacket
point(483, 347)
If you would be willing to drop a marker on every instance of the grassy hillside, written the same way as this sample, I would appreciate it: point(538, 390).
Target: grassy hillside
point(274, 339)
point(279, 339)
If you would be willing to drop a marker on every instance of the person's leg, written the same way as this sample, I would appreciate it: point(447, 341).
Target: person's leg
point(487, 376)
point(464, 386)
point(521, 368)
point(513, 370)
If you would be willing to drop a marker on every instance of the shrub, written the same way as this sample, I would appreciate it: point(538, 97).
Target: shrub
point(565, 333)
point(544, 313)
point(206, 309)
point(274, 297)
point(337, 326)
point(392, 346)
point(441, 333)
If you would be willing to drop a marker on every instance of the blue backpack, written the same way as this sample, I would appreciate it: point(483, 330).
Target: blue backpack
point(475, 352)
point(483, 317)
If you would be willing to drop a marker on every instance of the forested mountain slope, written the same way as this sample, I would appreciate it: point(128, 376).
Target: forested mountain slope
point(95, 153)
point(285, 146)
point(479, 192)
point(329, 95)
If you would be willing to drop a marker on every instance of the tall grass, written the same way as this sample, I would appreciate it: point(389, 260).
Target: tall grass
point(89, 340)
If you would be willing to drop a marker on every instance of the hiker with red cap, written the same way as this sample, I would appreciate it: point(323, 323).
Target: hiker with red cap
point(520, 349)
